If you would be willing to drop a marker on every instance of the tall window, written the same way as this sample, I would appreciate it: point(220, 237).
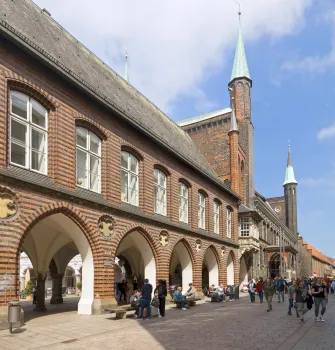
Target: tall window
point(129, 178)
point(88, 160)
point(216, 210)
point(277, 240)
point(229, 216)
point(244, 227)
point(28, 133)
point(160, 192)
point(201, 211)
point(183, 203)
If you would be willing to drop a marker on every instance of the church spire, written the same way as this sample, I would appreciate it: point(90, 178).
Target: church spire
point(240, 68)
point(126, 74)
point(289, 176)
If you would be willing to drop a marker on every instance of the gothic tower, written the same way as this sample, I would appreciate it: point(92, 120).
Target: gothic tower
point(290, 190)
point(240, 94)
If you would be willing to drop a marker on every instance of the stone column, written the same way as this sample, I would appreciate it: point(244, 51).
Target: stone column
point(40, 293)
point(57, 297)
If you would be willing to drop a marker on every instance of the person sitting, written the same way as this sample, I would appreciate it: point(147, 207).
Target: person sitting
point(135, 302)
point(191, 292)
point(179, 298)
point(155, 304)
point(220, 292)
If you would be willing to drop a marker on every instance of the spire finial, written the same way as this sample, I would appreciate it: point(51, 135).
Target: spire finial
point(126, 74)
point(239, 10)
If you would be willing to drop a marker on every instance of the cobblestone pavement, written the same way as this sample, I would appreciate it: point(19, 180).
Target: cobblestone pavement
point(233, 325)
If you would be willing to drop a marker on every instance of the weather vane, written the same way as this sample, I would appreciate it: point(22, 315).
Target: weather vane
point(239, 8)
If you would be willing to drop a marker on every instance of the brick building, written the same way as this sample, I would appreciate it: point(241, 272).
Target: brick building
point(88, 165)
point(267, 227)
point(312, 262)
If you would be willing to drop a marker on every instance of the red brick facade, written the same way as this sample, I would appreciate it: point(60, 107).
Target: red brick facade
point(68, 107)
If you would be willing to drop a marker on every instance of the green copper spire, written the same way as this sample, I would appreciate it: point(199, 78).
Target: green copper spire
point(126, 74)
point(240, 69)
point(289, 176)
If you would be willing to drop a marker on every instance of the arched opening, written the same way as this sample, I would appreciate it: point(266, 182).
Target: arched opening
point(230, 270)
point(134, 262)
point(243, 271)
point(50, 245)
point(274, 265)
point(181, 267)
point(210, 269)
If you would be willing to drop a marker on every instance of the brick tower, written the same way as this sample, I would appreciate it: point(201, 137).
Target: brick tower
point(240, 93)
point(290, 193)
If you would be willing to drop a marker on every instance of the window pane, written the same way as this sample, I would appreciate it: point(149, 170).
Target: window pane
point(133, 164)
point(94, 165)
point(94, 183)
point(18, 132)
point(82, 168)
point(156, 198)
point(95, 144)
point(133, 182)
point(124, 160)
point(38, 161)
point(38, 141)
point(156, 176)
point(162, 179)
point(18, 154)
point(19, 104)
point(133, 197)
point(124, 186)
point(38, 114)
point(82, 137)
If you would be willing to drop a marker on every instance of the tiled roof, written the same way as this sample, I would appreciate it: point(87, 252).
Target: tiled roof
point(36, 31)
point(317, 254)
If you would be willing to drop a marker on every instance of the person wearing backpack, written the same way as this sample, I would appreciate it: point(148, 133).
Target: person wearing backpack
point(280, 286)
point(300, 299)
point(162, 293)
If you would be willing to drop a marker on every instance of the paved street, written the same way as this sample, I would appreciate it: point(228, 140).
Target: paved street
point(234, 325)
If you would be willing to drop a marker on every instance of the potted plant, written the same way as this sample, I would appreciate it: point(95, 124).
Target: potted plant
point(28, 291)
point(79, 286)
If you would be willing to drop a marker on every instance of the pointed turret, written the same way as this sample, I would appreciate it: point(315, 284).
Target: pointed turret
point(240, 68)
point(233, 121)
point(289, 176)
point(126, 74)
point(290, 192)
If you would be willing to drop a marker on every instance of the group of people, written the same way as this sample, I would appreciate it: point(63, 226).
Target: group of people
point(302, 294)
point(142, 300)
point(218, 293)
point(183, 299)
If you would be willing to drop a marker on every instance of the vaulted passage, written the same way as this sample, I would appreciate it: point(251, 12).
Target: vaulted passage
point(50, 245)
point(181, 268)
point(210, 269)
point(135, 261)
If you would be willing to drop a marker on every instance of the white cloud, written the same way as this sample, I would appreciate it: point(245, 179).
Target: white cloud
point(173, 45)
point(326, 133)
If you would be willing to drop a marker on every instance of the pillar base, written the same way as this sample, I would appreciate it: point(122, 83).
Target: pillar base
point(100, 304)
point(56, 300)
point(41, 308)
point(4, 318)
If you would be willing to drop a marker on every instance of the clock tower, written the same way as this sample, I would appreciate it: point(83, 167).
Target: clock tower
point(290, 191)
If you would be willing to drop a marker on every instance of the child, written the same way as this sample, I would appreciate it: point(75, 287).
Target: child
point(155, 305)
point(135, 302)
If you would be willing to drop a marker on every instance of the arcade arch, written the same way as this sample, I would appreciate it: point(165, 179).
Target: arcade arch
point(181, 266)
point(210, 269)
point(230, 270)
point(59, 238)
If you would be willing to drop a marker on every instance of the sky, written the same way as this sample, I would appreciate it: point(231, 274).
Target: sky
point(181, 55)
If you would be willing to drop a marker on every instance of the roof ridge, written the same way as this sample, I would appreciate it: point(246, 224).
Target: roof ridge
point(203, 117)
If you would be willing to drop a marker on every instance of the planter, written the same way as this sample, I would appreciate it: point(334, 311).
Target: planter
point(29, 297)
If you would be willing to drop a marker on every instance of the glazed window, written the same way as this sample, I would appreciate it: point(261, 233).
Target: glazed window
point(88, 160)
point(229, 216)
point(183, 203)
point(244, 227)
point(201, 211)
point(129, 178)
point(28, 133)
point(160, 192)
point(216, 217)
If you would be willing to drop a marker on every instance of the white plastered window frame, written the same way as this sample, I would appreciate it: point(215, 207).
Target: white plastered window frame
point(245, 227)
point(201, 211)
point(183, 203)
point(216, 217)
point(229, 223)
point(160, 181)
point(27, 113)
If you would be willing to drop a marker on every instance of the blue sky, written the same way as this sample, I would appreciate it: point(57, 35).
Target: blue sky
point(181, 57)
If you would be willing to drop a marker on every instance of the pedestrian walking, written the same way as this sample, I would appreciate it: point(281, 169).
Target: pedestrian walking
point(146, 299)
point(300, 299)
point(269, 291)
point(290, 291)
point(332, 287)
point(162, 293)
point(319, 291)
point(252, 290)
point(260, 289)
point(280, 286)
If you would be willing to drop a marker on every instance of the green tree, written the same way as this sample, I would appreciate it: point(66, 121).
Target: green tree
point(29, 288)
point(79, 285)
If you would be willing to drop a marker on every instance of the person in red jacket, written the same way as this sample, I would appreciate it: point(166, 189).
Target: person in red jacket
point(260, 289)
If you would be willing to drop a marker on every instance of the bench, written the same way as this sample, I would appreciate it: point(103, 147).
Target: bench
point(190, 302)
point(120, 312)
